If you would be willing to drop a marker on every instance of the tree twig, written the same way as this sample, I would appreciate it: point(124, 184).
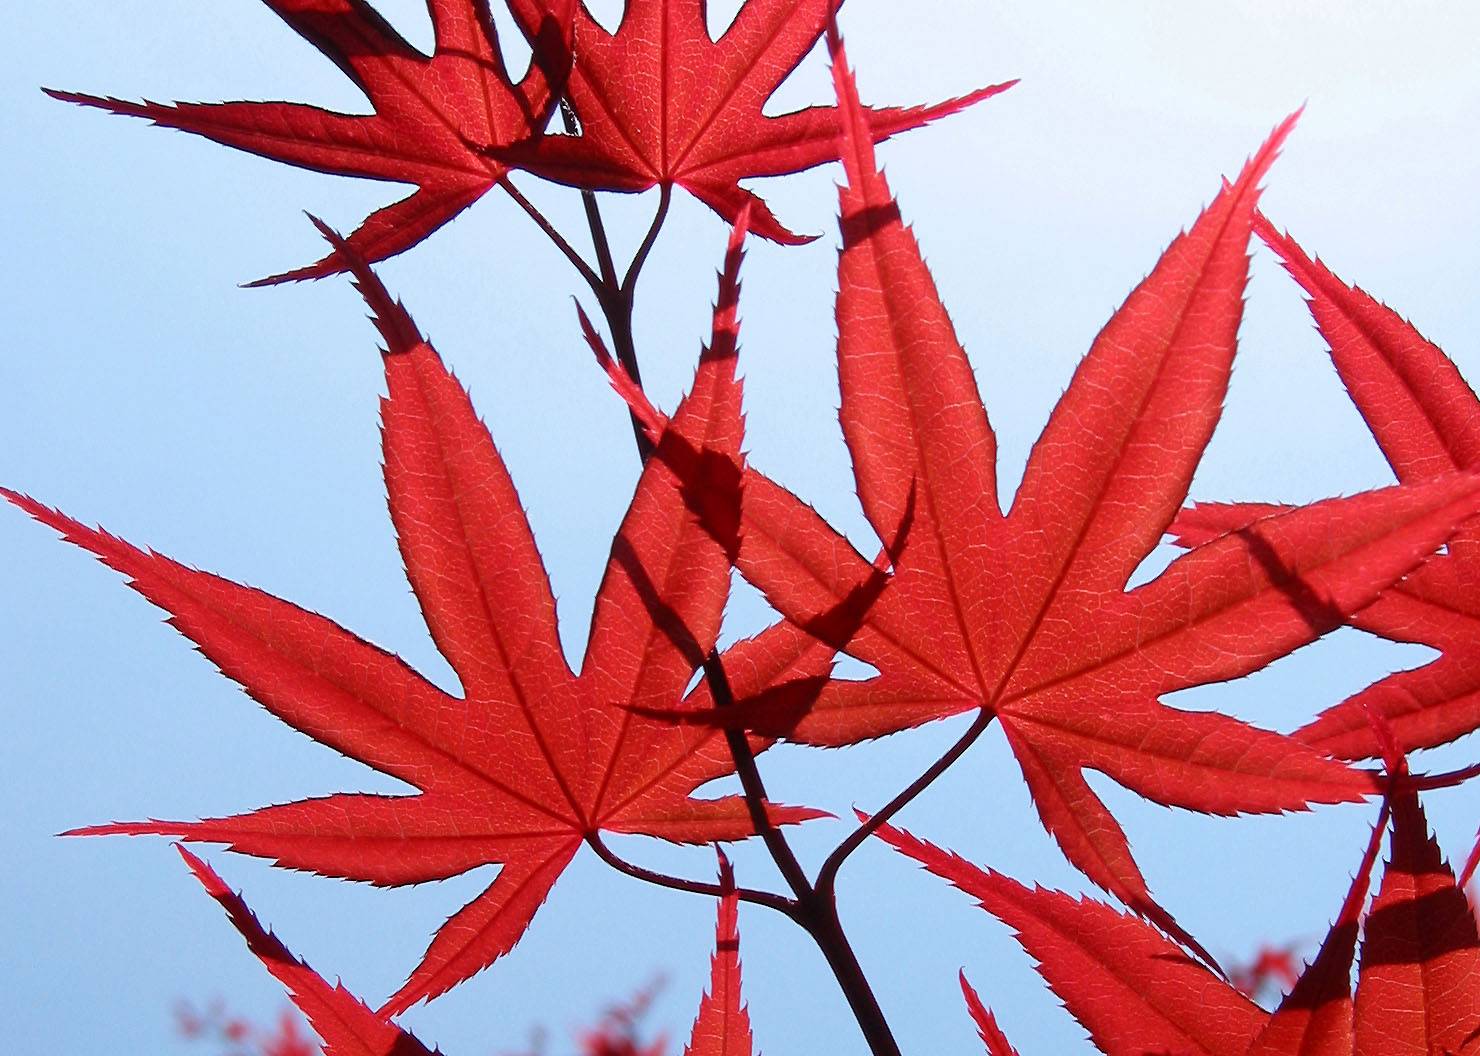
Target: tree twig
point(814, 910)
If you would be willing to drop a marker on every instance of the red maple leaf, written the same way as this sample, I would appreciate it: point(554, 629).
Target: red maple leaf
point(287, 1039)
point(1427, 421)
point(1418, 988)
point(722, 1027)
point(1315, 1017)
point(1271, 967)
point(435, 117)
point(616, 1032)
point(1025, 617)
point(660, 103)
point(532, 759)
point(346, 1025)
point(1132, 989)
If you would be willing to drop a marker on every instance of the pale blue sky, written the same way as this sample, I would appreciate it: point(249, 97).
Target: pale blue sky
point(237, 430)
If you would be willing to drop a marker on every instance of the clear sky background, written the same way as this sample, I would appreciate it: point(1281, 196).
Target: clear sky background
point(237, 430)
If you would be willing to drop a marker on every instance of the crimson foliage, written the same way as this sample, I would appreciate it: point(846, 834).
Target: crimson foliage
point(1018, 612)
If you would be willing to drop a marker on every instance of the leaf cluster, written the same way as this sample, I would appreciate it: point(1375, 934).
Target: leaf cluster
point(1022, 611)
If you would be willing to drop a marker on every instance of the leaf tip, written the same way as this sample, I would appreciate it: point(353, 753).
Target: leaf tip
point(388, 314)
point(1258, 165)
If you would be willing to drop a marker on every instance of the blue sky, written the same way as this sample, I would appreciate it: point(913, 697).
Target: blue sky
point(237, 430)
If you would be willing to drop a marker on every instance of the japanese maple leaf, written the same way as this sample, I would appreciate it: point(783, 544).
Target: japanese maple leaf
point(1315, 1017)
point(346, 1025)
point(531, 759)
point(1427, 421)
point(616, 1033)
point(1418, 987)
point(1024, 617)
point(1131, 988)
point(287, 1039)
point(722, 1027)
point(435, 117)
point(660, 103)
point(1271, 966)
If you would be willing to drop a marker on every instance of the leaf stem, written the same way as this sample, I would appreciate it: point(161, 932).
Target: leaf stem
point(827, 877)
point(593, 212)
point(779, 903)
point(615, 297)
point(629, 281)
point(576, 260)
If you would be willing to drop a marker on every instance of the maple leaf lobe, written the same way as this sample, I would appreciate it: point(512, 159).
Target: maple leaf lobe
point(1126, 983)
point(433, 121)
point(722, 1027)
point(346, 1025)
point(1426, 420)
